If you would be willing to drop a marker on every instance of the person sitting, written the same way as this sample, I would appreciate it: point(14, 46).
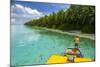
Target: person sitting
point(71, 54)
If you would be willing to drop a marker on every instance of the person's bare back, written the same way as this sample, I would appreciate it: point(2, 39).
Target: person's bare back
point(76, 41)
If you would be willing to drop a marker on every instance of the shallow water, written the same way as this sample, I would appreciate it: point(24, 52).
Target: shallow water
point(33, 46)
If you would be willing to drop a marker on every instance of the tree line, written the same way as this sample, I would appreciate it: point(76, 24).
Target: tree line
point(76, 17)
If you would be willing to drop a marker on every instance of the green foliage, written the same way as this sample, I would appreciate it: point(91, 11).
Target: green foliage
point(77, 17)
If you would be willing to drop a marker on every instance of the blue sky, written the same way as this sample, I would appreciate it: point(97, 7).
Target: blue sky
point(25, 11)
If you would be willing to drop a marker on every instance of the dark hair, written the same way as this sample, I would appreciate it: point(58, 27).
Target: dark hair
point(76, 36)
point(74, 49)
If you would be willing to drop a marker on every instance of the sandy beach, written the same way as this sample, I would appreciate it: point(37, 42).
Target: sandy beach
point(78, 33)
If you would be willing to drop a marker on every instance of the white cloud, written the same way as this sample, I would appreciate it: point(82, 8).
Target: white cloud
point(12, 20)
point(19, 6)
point(31, 11)
point(22, 13)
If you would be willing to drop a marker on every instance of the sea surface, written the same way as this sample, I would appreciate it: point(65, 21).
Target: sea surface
point(30, 46)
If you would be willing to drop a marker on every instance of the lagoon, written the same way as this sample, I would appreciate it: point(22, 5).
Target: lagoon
point(31, 46)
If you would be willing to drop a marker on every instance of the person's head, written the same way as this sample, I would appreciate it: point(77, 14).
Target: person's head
point(74, 49)
point(76, 36)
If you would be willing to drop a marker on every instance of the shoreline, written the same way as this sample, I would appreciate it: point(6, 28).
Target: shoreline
point(78, 33)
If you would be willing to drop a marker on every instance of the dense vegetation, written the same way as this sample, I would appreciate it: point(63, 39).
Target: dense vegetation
point(75, 18)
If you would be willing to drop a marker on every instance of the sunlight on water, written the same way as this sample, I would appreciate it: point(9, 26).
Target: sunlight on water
point(34, 46)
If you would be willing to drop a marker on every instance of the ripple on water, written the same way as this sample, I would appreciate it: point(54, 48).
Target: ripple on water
point(36, 46)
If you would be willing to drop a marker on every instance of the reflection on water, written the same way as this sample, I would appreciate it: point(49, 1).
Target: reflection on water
point(34, 46)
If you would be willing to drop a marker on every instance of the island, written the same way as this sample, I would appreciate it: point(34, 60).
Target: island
point(75, 18)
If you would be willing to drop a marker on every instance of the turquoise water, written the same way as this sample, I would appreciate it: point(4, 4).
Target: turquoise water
point(34, 46)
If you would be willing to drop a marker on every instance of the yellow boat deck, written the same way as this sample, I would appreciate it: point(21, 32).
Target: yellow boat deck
point(56, 59)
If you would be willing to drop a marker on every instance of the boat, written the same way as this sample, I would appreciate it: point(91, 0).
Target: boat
point(67, 57)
